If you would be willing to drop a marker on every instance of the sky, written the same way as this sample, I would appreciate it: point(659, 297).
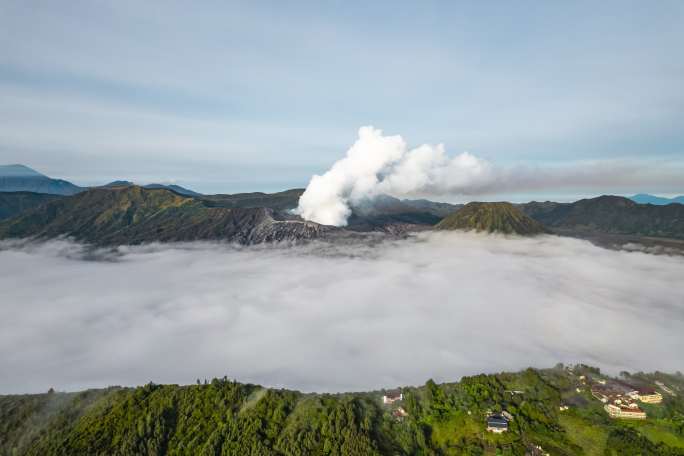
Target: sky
point(240, 96)
point(332, 316)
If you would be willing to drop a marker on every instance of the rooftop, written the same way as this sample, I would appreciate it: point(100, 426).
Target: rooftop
point(393, 393)
point(497, 421)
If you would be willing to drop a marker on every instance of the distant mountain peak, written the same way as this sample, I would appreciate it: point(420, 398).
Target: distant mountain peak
point(175, 188)
point(498, 217)
point(646, 198)
point(18, 170)
point(21, 178)
point(119, 183)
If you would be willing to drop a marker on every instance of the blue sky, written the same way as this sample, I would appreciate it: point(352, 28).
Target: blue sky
point(237, 96)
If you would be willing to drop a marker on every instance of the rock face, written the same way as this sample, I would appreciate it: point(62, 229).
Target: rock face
point(610, 215)
point(493, 218)
point(20, 178)
point(133, 215)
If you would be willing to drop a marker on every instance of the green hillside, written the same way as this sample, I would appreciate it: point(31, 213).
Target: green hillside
point(610, 215)
point(493, 218)
point(223, 417)
point(14, 203)
point(132, 215)
point(287, 199)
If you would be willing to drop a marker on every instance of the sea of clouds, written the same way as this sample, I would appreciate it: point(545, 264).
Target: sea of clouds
point(331, 317)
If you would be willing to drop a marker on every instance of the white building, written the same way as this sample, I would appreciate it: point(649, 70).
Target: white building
point(631, 411)
point(392, 396)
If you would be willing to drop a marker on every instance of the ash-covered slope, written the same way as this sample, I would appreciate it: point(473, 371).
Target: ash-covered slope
point(499, 217)
point(133, 215)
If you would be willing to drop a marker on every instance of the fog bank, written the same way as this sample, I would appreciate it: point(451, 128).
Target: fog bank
point(328, 317)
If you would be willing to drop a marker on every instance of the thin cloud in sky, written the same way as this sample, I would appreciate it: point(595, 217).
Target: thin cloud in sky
point(242, 82)
point(331, 317)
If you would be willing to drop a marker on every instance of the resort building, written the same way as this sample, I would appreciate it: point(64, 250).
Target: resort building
point(392, 396)
point(647, 395)
point(497, 424)
point(631, 411)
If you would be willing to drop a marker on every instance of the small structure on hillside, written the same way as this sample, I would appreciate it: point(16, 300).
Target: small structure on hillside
point(399, 413)
point(647, 395)
point(392, 396)
point(497, 423)
point(631, 411)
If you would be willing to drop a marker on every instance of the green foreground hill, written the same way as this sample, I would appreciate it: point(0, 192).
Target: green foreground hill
point(223, 417)
point(493, 218)
point(132, 215)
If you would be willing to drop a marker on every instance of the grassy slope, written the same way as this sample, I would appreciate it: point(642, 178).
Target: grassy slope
point(491, 217)
point(591, 438)
point(287, 199)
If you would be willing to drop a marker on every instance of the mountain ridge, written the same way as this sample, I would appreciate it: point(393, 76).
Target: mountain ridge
point(609, 214)
point(133, 215)
point(645, 198)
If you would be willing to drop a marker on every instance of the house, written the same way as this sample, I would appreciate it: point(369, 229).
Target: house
point(399, 413)
point(497, 424)
point(631, 411)
point(623, 388)
point(392, 396)
point(648, 395)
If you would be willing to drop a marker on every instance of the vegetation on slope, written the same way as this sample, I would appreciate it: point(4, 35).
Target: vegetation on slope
point(132, 215)
point(611, 215)
point(491, 217)
point(14, 203)
point(227, 418)
point(288, 199)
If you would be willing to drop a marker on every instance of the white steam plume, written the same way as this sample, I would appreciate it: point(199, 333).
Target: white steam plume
point(378, 164)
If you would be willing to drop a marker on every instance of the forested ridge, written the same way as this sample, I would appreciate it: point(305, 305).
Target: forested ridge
point(223, 417)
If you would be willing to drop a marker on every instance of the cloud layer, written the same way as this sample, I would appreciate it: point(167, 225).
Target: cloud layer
point(329, 317)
